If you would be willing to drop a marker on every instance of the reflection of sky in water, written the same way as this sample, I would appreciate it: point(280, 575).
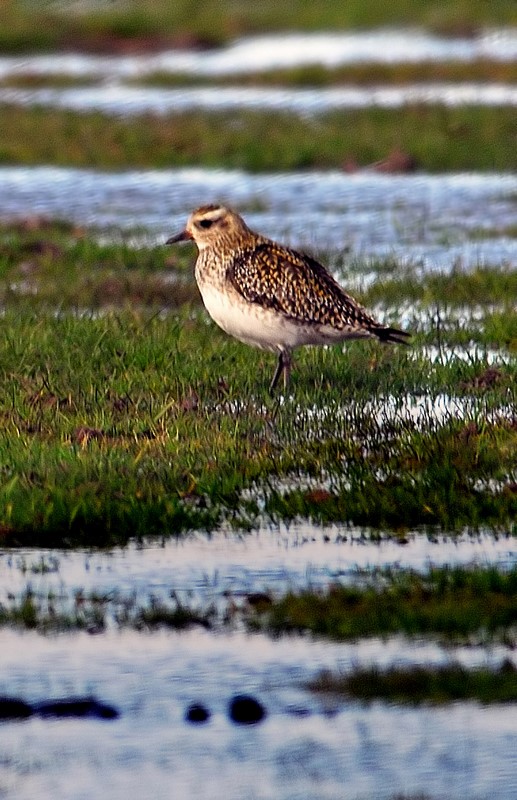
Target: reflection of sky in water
point(277, 51)
point(120, 100)
point(458, 751)
point(307, 747)
point(204, 568)
point(422, 218)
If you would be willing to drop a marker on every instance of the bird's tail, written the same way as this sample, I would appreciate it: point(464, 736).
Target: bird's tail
point(392, 335)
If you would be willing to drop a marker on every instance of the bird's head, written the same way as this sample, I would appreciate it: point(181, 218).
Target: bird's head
point(214, 226)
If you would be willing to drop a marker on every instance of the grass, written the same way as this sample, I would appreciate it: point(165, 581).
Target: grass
point(29, 25)
point(303, 76)
point(309, 75)
point(423, 684)
point(482, 287)
point(91, 613)
point(451, 605)
point(439, 139)
point(477, 605)
point(46, 265)
point(138, 417)
point(55, 264)
point(123, 425)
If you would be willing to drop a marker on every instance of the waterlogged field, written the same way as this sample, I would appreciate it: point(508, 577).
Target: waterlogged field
point(172, 537)
point(376, 499)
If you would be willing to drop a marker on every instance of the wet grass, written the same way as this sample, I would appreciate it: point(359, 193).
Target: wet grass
point(454, 606)
point(311, 75)
point(28, 25)
point(93, 613)
point(437, 138)
point(303, 76)
point(125, 426)
point(59, 265)
point(473, 606)
point(46, 265)
point(482, 287)
point(138, 417)
point(415, 685)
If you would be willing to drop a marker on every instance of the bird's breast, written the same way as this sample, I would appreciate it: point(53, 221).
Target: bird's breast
point(249, 322)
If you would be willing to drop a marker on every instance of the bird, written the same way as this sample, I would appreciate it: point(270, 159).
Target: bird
point(270, 296)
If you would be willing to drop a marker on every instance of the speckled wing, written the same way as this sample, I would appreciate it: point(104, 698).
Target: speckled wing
point(297, 286)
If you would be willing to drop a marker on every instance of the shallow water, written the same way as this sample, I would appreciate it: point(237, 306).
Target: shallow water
point(207, 568)
point(252, 54)
point(125, 101)
point(432, 220)
point(307, 746)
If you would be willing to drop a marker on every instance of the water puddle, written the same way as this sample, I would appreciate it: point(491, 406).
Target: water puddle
point(277, 51)
point(298, 751)
point(125, 101)
point(307, 746)
point(304, 748)
point(430, 220)
point(202, 570)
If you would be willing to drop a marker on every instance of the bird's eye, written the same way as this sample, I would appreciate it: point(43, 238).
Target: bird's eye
point(205, 223)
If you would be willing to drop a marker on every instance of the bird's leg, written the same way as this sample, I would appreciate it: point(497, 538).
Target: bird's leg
point(278, 372)
point(284, 365)
point(287, 368)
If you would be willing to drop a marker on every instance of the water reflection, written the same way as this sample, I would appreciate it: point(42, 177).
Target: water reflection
point(125, 101)
point(305, 747)
point(388, 46)
point(152, 678)
point(202, 570)
point(433, 220)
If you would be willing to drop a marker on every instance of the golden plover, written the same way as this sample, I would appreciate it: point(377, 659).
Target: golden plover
point(270, 296)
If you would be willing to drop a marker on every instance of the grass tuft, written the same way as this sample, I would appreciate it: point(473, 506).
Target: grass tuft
point(455, 604)
point(423, 684)
point(437, 138)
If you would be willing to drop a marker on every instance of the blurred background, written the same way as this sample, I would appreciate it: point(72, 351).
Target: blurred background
point(333, 125)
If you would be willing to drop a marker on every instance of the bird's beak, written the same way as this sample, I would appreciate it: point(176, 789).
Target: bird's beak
point(184, 236)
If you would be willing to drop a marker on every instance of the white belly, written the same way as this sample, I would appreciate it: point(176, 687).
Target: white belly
point(250, 323)
point(262, 327)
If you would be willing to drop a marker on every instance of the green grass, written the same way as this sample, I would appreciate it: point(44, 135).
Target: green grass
point(310, 75)
point(47, 264)
point(438, 138)
point(57, 265)
point(477, 605)
point(481, 287)
point(423, 684)
point(452, 606)
point(50, 615)
point(304, 76)
point(124, 426)
point(125, 413)
point(30, 25)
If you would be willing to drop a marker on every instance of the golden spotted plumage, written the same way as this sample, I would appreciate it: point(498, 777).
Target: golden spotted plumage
point(272, 296)
point(295, 285)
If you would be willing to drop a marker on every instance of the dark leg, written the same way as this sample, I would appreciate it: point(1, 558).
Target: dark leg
point(284, 365)
point(287, 368)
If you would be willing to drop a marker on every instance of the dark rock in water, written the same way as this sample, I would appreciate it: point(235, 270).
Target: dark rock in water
point(245, 710)
point(13, 708)
point(76, 707)
point(197, 713)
